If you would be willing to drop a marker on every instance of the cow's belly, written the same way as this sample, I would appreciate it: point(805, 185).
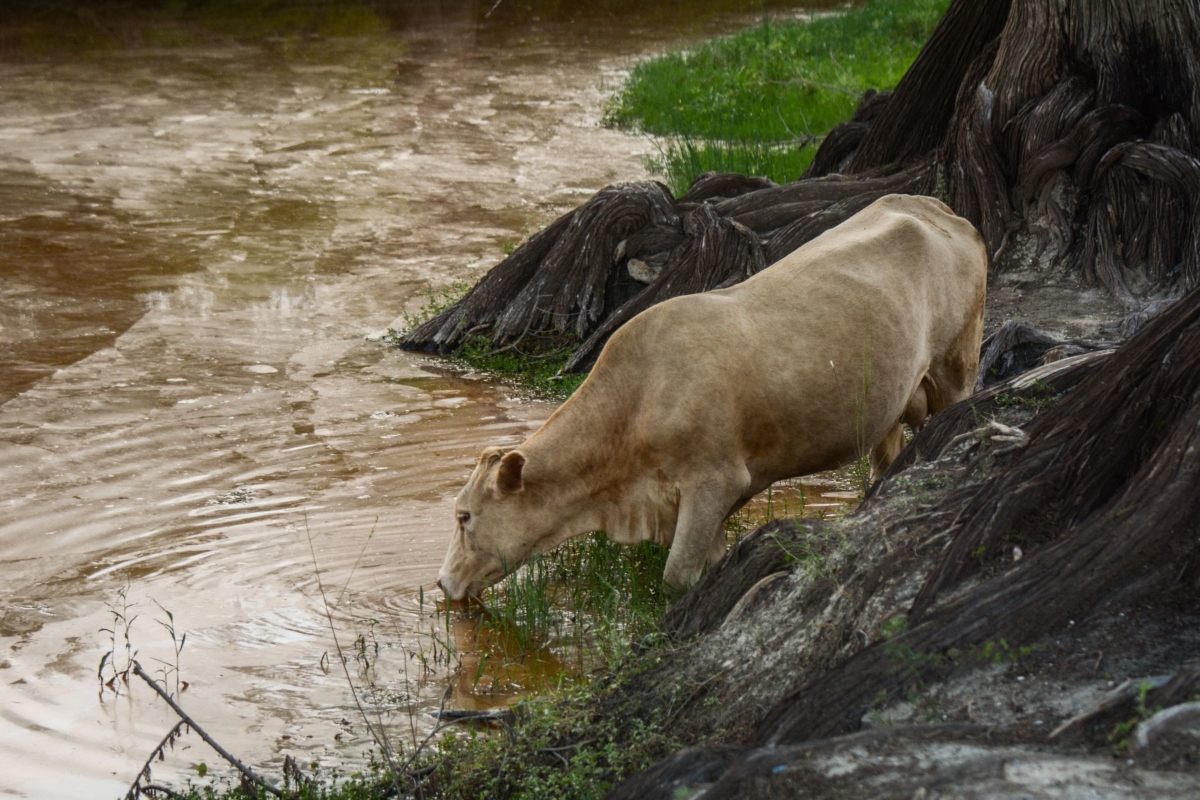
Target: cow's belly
point(791, 433)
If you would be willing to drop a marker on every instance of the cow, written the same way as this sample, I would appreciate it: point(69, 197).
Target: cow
point(702, 401)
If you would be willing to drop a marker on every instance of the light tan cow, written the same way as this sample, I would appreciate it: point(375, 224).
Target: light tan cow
point(702, 401)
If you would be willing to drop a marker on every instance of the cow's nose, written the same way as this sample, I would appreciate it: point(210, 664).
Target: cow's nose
point(439, 585)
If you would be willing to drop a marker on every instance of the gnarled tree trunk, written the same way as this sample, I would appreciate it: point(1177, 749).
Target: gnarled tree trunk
point(1100, 500)
point(1067, 130)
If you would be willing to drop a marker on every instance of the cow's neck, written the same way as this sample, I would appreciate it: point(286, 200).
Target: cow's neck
point(580, 465)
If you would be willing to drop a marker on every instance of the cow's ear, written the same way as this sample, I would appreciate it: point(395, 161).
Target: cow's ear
point(508, 478)
point(489, 456)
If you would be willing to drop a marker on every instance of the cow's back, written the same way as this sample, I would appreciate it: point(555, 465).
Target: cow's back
point(824, 347)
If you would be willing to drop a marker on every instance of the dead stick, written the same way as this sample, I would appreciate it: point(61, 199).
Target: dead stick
point(225, 754)
point(154, 788)
point(157, 752)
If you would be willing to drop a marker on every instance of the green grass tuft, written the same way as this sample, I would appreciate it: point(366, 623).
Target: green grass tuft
point(759, 101)
point(557, 748)
point(581, 604)
point(356, 787)
point(534, 365)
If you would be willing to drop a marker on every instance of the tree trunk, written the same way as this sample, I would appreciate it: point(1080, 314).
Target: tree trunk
point(1066, 130)
point(1078, 148)
point(1100, 498)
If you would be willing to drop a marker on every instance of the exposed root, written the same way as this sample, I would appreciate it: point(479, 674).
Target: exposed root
point(1067, 131)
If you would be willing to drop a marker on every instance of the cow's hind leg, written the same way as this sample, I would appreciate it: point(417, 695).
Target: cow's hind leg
point(916, 411)
point(700, 530)
point(886, 451)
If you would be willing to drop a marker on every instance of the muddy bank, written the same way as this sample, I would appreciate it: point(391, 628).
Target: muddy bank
point(812, 663)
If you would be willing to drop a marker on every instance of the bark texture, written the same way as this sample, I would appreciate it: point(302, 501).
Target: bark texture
point(1068, 131)
point(1104, 492)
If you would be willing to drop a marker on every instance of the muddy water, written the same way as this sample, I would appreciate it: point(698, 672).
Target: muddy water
point(201, 237)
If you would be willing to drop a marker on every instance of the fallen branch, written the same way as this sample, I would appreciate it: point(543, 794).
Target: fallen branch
point(136, 790)
point(246, 772)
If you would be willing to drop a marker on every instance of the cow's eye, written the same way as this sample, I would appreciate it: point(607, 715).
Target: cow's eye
point(463, 517)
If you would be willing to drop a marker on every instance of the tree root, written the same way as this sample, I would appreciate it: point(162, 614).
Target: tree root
point(1071, 150)
point(1127, 439)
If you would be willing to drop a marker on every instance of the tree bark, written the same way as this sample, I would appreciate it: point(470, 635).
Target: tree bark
point(1104, 492)
point(1067, 131)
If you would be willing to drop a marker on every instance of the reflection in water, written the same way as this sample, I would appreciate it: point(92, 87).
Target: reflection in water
point(199, 224)
point(823, 496)
point(494, 669)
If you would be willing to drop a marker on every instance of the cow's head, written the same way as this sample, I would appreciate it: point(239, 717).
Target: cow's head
point(497, 527)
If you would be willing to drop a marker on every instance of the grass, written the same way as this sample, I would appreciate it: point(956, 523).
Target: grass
point(756, 103)
point(582, 600)
point(576, 610)
point(544, 755)
point(680, 159)
point(532, 365)
point(357, 787)
point(759, 102)
point(557, 746)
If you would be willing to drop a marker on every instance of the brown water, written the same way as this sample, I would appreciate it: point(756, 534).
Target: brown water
point(201, 237)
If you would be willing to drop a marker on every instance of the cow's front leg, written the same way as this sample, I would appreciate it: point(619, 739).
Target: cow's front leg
point(700, 530)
